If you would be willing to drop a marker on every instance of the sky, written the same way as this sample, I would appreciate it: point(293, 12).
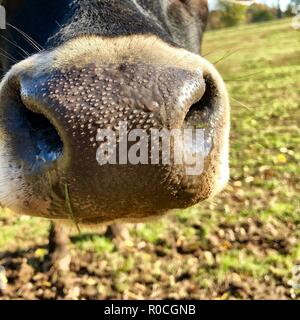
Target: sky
point(283, 3)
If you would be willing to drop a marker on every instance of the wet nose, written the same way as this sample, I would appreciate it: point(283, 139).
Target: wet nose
point(64, 110)
point(53, 105)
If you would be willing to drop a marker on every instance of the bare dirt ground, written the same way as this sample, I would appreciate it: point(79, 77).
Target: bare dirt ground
point(167, 269)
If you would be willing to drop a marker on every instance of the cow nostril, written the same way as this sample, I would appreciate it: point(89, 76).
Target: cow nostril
point(47, 138)
point(200, 112)
point(44, 139)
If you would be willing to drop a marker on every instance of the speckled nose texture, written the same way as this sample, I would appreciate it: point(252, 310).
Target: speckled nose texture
point(84, 100)
point(79, 102)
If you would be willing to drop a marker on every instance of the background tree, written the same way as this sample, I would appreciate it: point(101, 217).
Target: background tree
point(233, 13)
point(279, 13)
point(295, 2)
point(289, 11)
point(215, 19)
point(260, 12)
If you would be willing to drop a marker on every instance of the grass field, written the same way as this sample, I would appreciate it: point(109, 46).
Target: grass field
point(244, 244)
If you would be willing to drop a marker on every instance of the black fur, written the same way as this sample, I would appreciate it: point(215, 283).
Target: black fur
point(108, 18)
point(53, 22)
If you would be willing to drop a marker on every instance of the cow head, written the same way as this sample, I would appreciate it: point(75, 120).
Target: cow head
point(86, 67)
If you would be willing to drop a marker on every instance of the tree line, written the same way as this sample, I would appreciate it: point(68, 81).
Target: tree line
point(229, 14)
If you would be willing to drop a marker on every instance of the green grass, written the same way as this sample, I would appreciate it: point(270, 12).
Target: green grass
point(263, 74)
point(261, 203)
point(93, 242)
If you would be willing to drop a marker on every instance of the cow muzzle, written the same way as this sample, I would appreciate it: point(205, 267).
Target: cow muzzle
point(118, 133)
